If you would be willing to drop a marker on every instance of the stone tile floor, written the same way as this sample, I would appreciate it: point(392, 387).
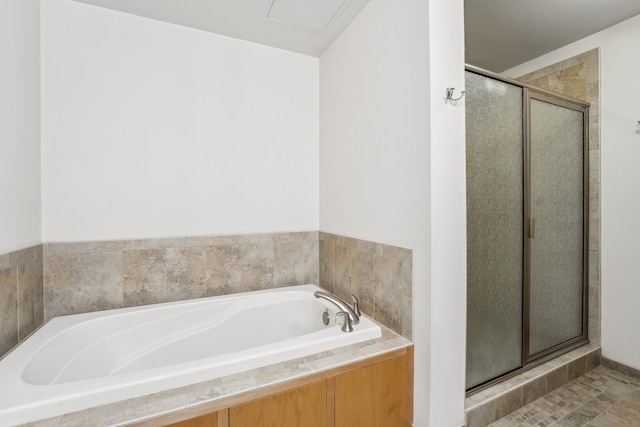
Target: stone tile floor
point(600, 398)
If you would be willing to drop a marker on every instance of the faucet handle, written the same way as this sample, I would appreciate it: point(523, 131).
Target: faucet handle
point(346, 325)
point(356, 305)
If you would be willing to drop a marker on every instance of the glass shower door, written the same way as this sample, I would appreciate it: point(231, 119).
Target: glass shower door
point(556, 239)
point(494, 228)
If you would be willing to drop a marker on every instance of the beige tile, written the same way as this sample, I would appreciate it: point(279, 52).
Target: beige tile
point(387, 306)
point(594, 270)
point(594, 234)
point(326, 258)
point(22, 256)
point(594, 331)
point(38, 294)
point(592, 61)
point(362, 280)
point(557, 378)
point(594, 167)
point(4, 261)
point(533, 390)
point(8, 309)
point(593, 360)
point(296, 260)
point(625, 413)
point(97, 279)
point(58, 285)
point(602, 421)
point(481, 416)
point(256, 265)
point(594, 302)
point(186, 273)
point(342, 270)
point(508, 402)
point(223, 269)
point(49, 422)
point(144, 277)
point(576, 368)
point(407, 317)
point(594, 200)
point(594, 131)
point(28, 277)
point(170, 242)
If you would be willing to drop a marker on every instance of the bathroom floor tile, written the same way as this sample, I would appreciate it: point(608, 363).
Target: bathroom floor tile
point(600, 398)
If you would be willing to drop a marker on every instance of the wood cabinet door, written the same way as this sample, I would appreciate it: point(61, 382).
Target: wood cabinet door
point(209, 420)
point(300, 407)
point(374, 396)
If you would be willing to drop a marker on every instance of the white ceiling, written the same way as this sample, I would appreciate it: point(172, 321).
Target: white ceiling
point(500, 34)
point(304, 26)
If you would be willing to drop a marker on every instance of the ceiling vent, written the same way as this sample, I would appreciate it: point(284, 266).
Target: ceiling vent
point(309, 15)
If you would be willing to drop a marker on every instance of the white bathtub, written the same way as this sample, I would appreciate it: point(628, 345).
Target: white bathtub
point(86, 360)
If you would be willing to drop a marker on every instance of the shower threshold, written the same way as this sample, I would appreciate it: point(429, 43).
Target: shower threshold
point(500, 399)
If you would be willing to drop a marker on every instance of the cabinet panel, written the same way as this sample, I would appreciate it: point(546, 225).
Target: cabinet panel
point(303, 406)
point(209, 420)
point(374, 396)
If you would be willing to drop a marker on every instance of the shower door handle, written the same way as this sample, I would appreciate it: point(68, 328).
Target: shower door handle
point(532, 228)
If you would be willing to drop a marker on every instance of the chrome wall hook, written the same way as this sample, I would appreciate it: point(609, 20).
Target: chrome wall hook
point(449, 95)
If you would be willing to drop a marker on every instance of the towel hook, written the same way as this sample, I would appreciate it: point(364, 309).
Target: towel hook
point(449, 95)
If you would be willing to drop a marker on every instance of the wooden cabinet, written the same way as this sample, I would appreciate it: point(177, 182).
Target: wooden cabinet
point(374, 396)
point(209, 420)
point(377, 392)
point(303, 406)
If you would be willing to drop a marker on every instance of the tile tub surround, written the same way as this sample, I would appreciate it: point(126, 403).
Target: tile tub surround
point(21, 296)
point(579, 77)
point(498, 401)
point(90, 276)
point(380, 275)
point(191, 396)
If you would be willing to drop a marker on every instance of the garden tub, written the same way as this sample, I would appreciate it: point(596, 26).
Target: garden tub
point(86, 360)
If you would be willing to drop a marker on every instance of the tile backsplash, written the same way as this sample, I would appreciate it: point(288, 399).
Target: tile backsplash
point(55, 279)
point(90, 276)
point(21, 302)
point(381, 276)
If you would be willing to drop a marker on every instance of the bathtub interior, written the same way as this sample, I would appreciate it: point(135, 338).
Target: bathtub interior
point(135, 341)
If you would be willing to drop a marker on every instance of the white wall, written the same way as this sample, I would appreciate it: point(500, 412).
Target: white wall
point(448, 215)
point(620, 175)
point(19, 124)
point(377, 176)
point(151, 129)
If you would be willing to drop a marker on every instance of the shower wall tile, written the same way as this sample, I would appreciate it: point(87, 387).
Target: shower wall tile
point(579, 77)
point(594, 131)
point(90, 276)
point(594, 200)
point(381, 276)
point(594, 270)
point(21, 299)
point(594, 167)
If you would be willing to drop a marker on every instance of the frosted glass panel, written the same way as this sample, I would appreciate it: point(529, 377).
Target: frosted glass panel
point(557, 205)
point(494, 228)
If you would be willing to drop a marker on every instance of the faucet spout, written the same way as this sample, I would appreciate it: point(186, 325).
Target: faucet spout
point(340, 303)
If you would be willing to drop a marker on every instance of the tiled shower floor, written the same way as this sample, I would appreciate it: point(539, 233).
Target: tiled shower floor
point(600, 398)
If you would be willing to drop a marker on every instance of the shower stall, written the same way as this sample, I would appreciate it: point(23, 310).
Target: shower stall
point(527, 193)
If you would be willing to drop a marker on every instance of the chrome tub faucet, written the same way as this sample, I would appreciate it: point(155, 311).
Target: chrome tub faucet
point(351, 315)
